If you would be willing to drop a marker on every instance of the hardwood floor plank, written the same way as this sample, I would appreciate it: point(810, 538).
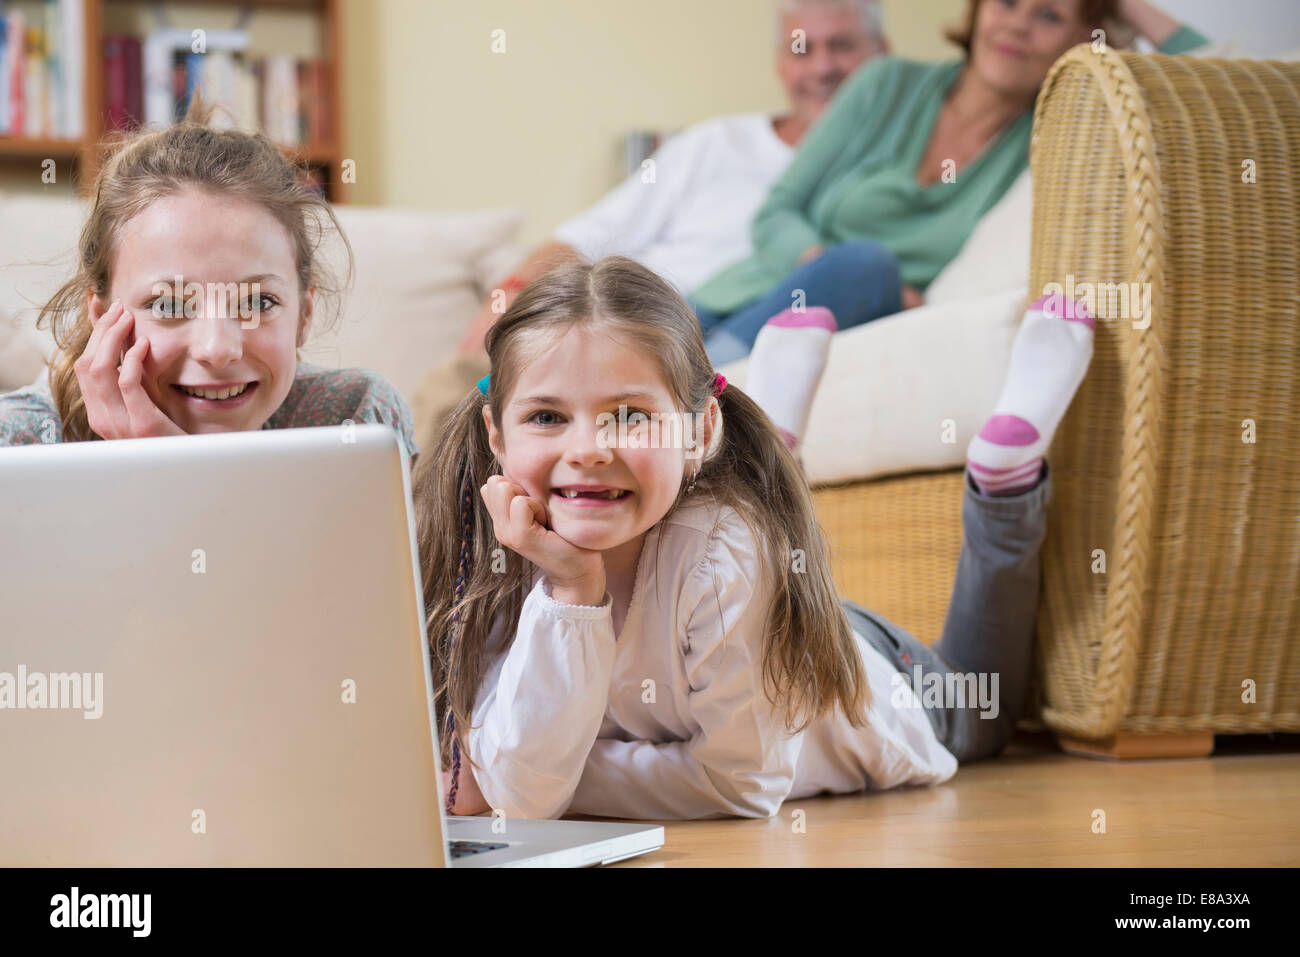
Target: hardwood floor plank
point(1034, 806)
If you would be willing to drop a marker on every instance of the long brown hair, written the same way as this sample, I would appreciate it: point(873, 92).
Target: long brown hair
point(146, 165)
point(810, 659)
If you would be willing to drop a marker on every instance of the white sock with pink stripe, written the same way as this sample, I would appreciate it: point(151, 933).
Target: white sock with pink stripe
point(786, 365)
point(1049, 359)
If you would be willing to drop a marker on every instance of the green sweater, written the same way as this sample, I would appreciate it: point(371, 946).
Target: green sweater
point(854, 177)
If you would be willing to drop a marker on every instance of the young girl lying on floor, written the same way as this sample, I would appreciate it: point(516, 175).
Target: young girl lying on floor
point(622, 627)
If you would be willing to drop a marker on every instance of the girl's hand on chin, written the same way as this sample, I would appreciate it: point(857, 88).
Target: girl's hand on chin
point(469, 799)
point(117, 407)
point(522, 524)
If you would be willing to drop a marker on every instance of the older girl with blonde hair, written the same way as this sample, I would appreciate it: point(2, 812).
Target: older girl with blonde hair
point(198, 271)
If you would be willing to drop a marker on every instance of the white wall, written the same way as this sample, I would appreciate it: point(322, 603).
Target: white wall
point(1260, 28)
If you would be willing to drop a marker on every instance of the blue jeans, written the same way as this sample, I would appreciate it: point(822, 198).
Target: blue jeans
point(857, 281)
point(990, 624)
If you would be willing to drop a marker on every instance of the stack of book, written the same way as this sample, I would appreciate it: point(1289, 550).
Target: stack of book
point(151, 81)
point(42, 71)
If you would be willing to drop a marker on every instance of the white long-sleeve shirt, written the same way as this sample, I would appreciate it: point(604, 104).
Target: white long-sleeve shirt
point(694, 218)
point(669, 720)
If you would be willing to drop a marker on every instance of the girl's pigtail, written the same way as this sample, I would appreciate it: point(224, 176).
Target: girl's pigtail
point(466, 526)
point(810, 659)
point(463, 602)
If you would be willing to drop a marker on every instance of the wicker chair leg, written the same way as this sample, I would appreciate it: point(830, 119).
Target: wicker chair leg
point(1196, 744)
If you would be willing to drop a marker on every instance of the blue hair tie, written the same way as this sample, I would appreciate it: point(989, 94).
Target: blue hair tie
point(483, 384)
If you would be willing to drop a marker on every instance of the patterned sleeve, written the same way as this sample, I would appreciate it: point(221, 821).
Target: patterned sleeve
point(27, 418)
point(383, 403)
point(323, 396)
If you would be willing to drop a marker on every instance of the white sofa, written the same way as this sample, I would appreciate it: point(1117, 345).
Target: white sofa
point(420, 277)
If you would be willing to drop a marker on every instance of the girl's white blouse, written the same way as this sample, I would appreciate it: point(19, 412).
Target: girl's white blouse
point(669, 720)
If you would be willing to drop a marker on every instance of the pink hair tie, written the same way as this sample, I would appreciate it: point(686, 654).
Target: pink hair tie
point(719, 383)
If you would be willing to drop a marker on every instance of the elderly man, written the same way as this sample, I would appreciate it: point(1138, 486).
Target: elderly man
point(709, 180)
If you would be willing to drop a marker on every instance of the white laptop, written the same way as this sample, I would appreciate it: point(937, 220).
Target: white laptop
point(212, 652)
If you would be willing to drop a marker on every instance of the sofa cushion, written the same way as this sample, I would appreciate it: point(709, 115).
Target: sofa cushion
point(420, 277)
point(38, 253)
point(907, 392)
point(995, 257)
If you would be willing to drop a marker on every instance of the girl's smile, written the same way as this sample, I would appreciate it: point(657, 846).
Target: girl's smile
point(218, 397)
point(588, 496)
point(600, 494)
point(207, 369)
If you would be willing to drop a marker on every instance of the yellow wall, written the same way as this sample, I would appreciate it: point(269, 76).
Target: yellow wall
point(437, 120)
point(434, 119)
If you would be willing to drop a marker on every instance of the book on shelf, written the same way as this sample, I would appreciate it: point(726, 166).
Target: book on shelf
point(283, 97)
point(123, 81)
point(42, 71)
point(167, 52)
point(149, 80)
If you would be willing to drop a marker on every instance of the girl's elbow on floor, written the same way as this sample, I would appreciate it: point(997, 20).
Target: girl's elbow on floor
point(757, 805)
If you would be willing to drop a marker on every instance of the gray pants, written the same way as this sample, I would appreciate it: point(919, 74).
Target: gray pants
point(972, 681)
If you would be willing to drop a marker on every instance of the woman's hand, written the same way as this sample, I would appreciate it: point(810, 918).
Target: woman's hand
point(911, 298)
point(117, 406)
point(469, 799)
point(809, 254)
point(577, 575)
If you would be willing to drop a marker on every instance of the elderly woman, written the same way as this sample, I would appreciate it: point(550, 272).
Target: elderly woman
point(888, 185)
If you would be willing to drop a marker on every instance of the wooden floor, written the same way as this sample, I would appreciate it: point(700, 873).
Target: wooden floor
point(1032, 806)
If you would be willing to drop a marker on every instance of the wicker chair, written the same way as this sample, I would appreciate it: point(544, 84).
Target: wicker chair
point(1171, 568)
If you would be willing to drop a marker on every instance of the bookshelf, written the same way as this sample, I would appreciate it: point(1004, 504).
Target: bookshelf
point(84, 153)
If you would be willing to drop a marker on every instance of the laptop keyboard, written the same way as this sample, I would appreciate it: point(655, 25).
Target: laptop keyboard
point(465, 848)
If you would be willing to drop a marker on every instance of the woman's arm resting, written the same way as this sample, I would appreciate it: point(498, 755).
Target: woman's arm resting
point(1153, 23)
point(782, 230)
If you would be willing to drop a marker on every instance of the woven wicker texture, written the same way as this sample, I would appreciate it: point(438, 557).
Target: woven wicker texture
point(1140, 166)
point(894, 544)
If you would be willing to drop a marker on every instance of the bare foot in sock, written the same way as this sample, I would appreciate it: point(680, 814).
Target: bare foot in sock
point(786, 365)
point(1049, 359)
